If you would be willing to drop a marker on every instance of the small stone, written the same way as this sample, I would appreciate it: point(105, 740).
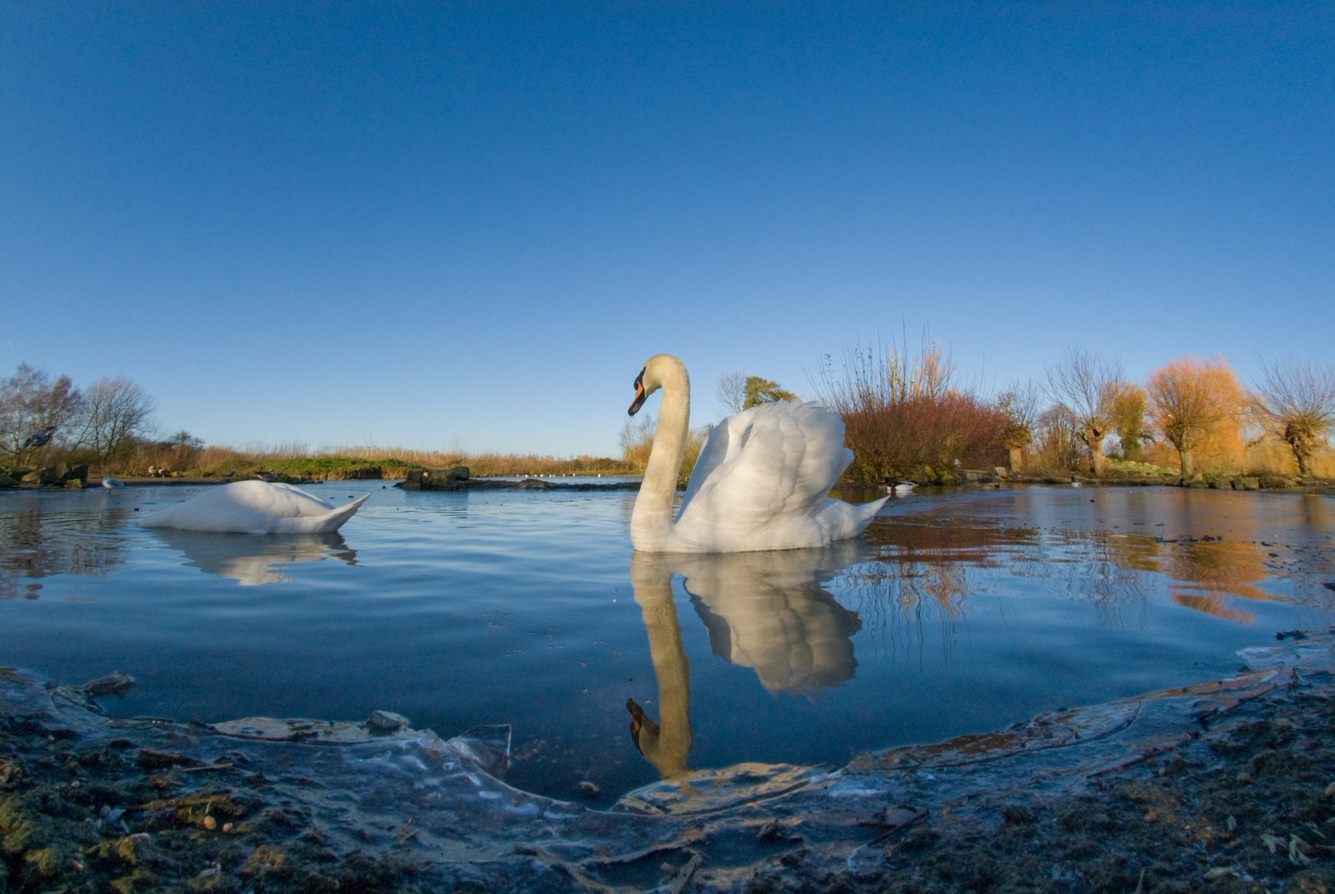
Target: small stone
point(210, 823)
point(1330, 790)
point(386, 722)
point(589, 789)
point(114, 683)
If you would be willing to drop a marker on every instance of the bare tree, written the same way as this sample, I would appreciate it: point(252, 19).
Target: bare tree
point(1086, 386)
point(114, 411)
point(732, 390)
point(1019, 406)
point(1191, 400)
point(1056, 444)
point(32, 409)
point(1295, 402)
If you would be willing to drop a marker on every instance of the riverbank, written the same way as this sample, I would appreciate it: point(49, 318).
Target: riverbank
point(1224, 787)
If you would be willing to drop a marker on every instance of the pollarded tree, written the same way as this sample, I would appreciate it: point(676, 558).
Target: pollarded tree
point(1296, 403)
point(1086, 386)
point(1191, 401)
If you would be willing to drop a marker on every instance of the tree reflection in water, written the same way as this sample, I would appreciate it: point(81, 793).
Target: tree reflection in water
point(35, 544)
point(1203, 560)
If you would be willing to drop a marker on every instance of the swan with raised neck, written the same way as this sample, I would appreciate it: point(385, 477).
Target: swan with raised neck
point(761, 482)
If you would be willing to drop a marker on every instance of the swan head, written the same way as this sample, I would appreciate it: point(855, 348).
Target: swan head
point(658, 370)
point(641, 393)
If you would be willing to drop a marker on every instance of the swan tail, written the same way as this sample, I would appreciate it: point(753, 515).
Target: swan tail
point(321, 524)
point(846, 520)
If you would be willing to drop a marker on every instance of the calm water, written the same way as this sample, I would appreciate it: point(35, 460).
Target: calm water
point(958, 613)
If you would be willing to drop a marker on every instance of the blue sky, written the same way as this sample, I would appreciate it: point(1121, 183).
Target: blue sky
point(465, 225)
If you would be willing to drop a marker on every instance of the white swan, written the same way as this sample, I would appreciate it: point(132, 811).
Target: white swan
point(762, 480)
point(255, 507)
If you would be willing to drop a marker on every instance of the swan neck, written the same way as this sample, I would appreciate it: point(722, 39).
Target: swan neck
point(651, 521)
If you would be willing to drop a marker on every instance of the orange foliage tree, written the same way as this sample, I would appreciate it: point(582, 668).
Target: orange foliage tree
point(1194, 403)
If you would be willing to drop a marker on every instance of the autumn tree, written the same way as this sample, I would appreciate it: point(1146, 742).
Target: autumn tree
point(1129, 407)
point(637, 439)
point(32, 408)
point(1086, 385)
point(1296, 403)
point(1192, 400)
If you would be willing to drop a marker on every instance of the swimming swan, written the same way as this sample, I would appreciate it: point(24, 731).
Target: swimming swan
point(761, 482)
point(255, 507)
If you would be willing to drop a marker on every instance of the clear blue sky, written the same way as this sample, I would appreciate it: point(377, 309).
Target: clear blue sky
point(465, 225)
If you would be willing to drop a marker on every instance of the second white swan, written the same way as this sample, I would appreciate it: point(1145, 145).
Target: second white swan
point(762, 480)
point(255, 507)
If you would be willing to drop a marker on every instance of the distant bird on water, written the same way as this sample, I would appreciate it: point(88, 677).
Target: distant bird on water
point(255, 507)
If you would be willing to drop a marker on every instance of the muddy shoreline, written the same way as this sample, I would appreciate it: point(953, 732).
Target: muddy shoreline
point(1221, 787)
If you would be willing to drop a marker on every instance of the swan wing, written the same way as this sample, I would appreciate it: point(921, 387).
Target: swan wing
point(762, 481)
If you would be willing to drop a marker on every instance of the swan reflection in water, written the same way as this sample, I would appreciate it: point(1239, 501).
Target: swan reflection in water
point(762, 610)
point(254, 561)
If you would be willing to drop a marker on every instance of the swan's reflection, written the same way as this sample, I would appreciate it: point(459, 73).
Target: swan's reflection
point(763, 610)
point(253, 560)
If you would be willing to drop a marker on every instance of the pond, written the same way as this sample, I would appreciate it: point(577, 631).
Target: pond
point(958, 612)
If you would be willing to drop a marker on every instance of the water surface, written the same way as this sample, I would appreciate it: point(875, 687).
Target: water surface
point(958, 612)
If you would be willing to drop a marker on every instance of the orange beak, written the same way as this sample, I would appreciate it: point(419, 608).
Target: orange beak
point(639, 395)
